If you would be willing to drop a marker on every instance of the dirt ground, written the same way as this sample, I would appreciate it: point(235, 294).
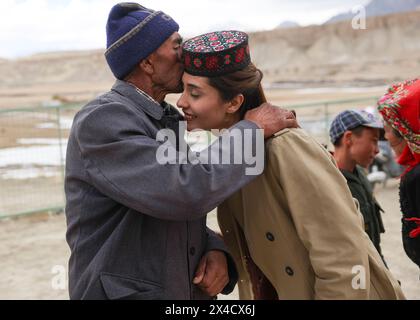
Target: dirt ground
point(34, 253)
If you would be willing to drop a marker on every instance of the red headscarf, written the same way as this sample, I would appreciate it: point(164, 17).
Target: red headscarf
point(400, 108)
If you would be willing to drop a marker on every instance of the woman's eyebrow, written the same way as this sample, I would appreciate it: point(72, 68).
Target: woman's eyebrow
point(193, 86)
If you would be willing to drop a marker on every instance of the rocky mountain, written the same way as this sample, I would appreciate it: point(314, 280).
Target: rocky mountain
point(388, 50)
point(56, 68)
point(288, 24)
point(379, 8)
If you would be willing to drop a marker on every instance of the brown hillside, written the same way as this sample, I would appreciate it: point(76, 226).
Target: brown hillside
point(388, 50)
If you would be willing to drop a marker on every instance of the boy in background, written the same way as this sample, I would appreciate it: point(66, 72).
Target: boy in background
point(355, 135)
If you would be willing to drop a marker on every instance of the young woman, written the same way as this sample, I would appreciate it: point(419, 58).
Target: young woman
point(295, 228)
point(400, 108)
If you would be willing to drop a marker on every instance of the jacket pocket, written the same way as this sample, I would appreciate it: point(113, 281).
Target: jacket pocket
point(119, 287)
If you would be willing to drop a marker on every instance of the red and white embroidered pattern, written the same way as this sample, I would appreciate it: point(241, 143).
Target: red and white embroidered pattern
point(216, 53)
point(215, 41)
point(390, 108)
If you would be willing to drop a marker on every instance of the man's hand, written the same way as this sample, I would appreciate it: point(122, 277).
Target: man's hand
point(212, 275)
point(272, 119)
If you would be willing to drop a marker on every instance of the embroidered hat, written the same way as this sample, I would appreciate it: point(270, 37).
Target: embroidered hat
point(216, 53)
point(133, 33)
point(400, 108)
point(350, 119)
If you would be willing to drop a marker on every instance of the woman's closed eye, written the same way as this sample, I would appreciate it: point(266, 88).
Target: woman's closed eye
point(194, 94)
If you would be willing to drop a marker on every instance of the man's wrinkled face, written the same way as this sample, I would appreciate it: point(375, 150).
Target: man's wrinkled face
point(168, 68)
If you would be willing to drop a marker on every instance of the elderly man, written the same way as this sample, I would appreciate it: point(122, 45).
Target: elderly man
point(136, 228)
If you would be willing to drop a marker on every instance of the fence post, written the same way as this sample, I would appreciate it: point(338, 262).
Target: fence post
point(60, 142)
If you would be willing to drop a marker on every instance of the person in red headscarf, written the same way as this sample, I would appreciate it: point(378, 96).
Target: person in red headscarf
point(400, 108)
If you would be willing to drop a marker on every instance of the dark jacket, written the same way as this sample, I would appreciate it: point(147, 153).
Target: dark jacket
point(362, 190)
point(410, 208)
point(137, 229)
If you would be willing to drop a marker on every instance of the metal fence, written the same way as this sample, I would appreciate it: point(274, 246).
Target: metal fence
point(316, 117)
point(33, 143)
point(32, 155)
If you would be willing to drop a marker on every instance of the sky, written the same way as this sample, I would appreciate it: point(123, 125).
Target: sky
point(31, 26)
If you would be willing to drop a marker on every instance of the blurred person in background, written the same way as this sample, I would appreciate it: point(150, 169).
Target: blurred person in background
point(400, 109)
point(355, 136)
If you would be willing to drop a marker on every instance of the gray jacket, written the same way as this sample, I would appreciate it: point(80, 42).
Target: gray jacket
point(137, 229)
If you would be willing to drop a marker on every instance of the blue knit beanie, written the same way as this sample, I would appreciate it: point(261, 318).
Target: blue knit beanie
point(133, 33)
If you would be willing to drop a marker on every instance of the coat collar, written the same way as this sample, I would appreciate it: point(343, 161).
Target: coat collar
point(354, 176)
point(142, 100)
point(357, 176)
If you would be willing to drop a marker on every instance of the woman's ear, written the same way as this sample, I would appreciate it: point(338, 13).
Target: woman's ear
point(236, 103)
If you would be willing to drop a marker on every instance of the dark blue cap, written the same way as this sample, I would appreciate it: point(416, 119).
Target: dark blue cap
point(133, 33)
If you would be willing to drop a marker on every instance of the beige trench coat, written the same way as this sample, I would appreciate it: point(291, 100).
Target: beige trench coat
point(303, 229)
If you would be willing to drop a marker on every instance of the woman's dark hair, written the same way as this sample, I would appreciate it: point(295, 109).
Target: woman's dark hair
point(247, 82)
